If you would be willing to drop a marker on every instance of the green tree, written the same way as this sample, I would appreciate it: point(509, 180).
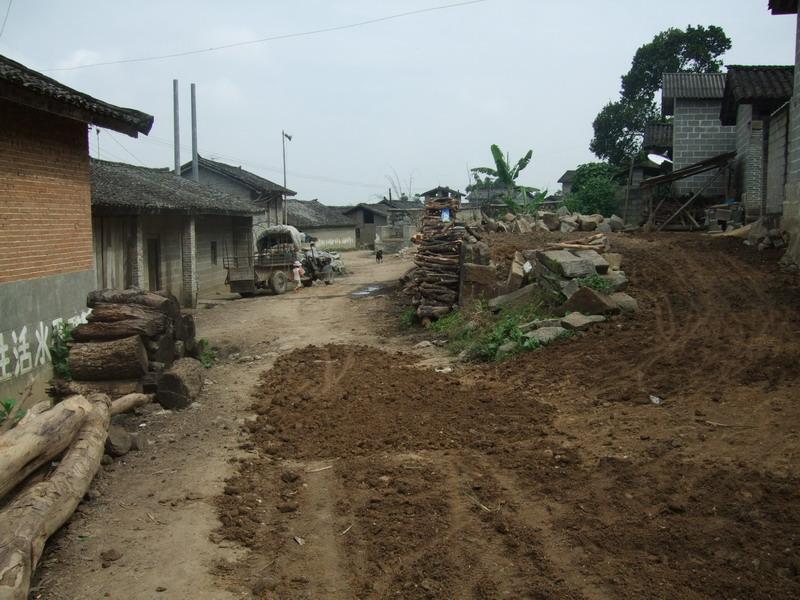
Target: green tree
point(619, 126)
point(593, 189)
point(520, 199)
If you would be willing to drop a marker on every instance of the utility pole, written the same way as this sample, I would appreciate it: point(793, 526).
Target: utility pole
point(195, 161)
point(285, 136)
point(177, 128)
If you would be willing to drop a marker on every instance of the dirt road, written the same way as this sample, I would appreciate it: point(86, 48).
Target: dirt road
point(156, 506)
point(368, 474)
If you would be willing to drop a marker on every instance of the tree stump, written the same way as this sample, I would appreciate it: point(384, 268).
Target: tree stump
point(118, 359)
point(181, 384)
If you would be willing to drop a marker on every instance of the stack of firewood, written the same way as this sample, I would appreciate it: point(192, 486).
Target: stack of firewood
point(38, 495)
point(436, 279)
point(131, 337)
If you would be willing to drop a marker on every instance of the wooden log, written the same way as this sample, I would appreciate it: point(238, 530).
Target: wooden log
point(41, 509)
point(100, 331)
point(166, 304)
point(117, 359)
point(113, 389)
point(185, 328)
point(30, 445)
point(165, 349)
point(179, 386)
point(129, 402)
point(111, 313)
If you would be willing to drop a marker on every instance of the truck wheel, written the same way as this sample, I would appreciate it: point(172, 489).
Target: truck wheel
point(277, 282)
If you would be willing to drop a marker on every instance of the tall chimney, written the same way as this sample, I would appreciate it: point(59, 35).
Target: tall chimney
point(177, 128)
point(195, 162)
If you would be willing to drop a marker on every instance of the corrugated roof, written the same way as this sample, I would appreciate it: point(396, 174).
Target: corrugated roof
point(695, 86)
point(125, 188)
point(312, 213)
point(657, 135)
point(767, 86)
point(22, 85)
point(246, 178)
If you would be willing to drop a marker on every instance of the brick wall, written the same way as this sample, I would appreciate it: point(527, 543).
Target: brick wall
point(749, 165)
point(776, 165)
point(697, 135)
point(45, 197)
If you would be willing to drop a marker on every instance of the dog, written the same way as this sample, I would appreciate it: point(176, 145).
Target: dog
point(379, 256)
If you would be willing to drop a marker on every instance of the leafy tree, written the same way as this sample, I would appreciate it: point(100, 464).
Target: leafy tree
point(503, 174)
point(593, 189)
point(619, 126)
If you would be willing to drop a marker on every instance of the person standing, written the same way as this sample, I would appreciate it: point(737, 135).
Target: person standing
point(297, 274)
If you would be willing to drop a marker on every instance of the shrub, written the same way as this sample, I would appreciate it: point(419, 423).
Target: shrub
point(597, 196)
point(207, 354)
point(596, 283)
point(408, 318)
point(59, 350)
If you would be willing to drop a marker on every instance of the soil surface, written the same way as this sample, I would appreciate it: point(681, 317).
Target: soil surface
point(328, 459)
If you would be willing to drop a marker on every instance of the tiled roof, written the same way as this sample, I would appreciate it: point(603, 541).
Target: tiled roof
point(766, 86)
point(657, 135)
point(125, 188)
point(695, 86)
point(312, 213)
point(378, 208)
point(403, 204)
point(25, 86)
point(246, 178)
point(441, 191)
point(567, 177)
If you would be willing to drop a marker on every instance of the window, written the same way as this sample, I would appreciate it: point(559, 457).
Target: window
point(368, 217)
point(213, 253)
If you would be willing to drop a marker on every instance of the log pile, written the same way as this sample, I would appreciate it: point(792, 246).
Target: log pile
point(131, 337)
point(435, 282)
point(37, 495)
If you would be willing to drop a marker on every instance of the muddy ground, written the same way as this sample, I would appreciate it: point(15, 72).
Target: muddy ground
point(354, 470)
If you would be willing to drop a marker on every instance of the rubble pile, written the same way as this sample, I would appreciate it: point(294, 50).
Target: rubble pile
point(435, 281)
point(561, 220)
point(132, 338)
point(583, 275)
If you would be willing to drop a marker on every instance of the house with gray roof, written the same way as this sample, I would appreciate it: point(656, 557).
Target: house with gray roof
point(755, 103)
point(366, 218)
point(244, 184)
point(694, 100)
point(46, 258)
point(566, 181)
point(156, 231)
point(326, 225)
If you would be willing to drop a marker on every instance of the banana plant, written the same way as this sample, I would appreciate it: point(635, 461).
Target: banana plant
point(506, 176)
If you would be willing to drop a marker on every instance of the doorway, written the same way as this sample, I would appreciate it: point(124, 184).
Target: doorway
point(154, 264)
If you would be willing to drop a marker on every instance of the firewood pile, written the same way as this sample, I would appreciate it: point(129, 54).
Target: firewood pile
point(131, 337)
point(38, 495)
point(435, 282)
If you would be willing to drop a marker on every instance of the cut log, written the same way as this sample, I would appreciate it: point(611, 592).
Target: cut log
point(180, 385)
point(111, 313)
point(118, 359)
point(129, 402)
point(41, 509)
point(165, 349)
point(44, 436)
point(164, 304)
point(113, 389)
point(185, 328)
point(149, 327)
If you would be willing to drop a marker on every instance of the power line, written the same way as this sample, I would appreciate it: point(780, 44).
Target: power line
point(131, 154)
point(5, 19)
point(273, 38)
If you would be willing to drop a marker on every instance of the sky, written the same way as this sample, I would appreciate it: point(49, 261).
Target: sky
point(418, 99)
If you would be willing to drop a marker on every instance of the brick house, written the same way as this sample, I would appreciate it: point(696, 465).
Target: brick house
point(367, 218)
point(752, 94)
point(790, 220)
point(694, 101)
point(46, 259)
point(156, 231)
point(243, 184)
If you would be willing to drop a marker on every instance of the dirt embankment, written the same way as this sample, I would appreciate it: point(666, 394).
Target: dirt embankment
point(552, 475)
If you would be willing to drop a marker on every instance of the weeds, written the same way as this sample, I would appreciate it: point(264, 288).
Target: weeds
point(207, 354)
point(449, 322)
point(7, 410)
point(596, 282)
point(408, 318)
point(59, 350)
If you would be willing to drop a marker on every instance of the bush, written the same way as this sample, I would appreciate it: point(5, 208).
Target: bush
point(596, 283)
point(408, 318)
point(207, 354)
point(593, 190)
point(59, 350)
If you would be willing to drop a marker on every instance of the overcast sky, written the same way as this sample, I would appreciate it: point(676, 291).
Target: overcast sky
point(423, 96)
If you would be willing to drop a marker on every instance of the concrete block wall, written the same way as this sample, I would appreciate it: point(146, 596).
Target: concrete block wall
point(776, 163)
point(749, 165)
point(697, 135)
point(791, 204)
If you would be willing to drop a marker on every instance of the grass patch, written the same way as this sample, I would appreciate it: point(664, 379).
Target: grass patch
point(7, 410)
point(596, 282)
point(207, 354)
point(408, 318)
point(59, 350)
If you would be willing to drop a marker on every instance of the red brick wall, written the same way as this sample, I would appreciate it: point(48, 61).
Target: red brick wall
point(45, 195)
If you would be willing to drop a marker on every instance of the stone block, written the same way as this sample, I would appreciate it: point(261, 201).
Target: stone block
point(482, 274)
point(616, 223)
point(600, 264)
point(551, 220)
point(578, 322)
point(516, 274)
point(505, 350)
point(625, 302)
point(545, 335)
point(569, 287)
point(590, 302)
point(563, 211)
point(617, 280)
point(604, 227)
point(614, 260)
point(521, 297)
point(568, 224)
point(531, 325)
point(565, 263)
point(477, 253)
